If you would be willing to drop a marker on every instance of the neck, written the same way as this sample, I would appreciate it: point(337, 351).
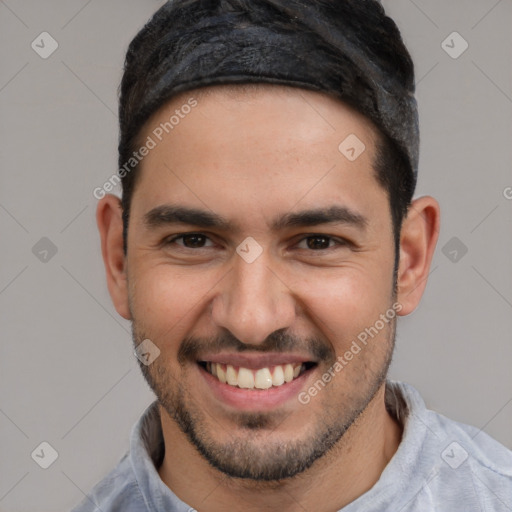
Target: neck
point(345, 473)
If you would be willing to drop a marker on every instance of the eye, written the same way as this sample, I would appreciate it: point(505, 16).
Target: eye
point(320, 242)
point(190, 240)
point(314, 242)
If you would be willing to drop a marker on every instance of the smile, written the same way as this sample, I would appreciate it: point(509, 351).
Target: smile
point(260, 378)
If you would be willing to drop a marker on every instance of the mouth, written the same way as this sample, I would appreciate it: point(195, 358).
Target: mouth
point(264, 378)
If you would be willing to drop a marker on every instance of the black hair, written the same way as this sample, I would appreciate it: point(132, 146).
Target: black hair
point(348, 49)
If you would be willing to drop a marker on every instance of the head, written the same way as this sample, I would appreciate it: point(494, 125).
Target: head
point(268, 221)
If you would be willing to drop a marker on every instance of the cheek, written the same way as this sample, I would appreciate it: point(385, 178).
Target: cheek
point(346, 302)
point(164, 300)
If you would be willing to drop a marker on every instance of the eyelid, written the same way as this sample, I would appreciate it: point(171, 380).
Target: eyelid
point(172, 238)
point(339, 241)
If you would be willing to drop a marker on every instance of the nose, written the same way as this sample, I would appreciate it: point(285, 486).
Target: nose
point(253, 302)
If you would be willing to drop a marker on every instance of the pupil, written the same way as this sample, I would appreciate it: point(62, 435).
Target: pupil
point(193, 240)
point(313, 242)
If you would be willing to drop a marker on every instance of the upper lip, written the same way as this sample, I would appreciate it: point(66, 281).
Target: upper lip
point(255, 361)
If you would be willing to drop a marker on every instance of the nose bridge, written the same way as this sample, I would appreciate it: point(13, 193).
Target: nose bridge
point(253, 302)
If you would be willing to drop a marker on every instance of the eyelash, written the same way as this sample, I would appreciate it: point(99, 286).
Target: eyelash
point(339, 241)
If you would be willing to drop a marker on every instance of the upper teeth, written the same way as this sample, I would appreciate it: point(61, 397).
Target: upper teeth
point(262, 378)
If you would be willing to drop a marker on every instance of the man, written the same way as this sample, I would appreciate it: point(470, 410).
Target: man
point(264, 245)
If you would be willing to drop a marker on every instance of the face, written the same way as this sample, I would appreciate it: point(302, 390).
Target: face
point(259, 256)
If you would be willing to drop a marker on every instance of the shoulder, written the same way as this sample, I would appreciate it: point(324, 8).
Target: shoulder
point(473, 472)
point(118, 490)
point(466, 467)
point(466, 443)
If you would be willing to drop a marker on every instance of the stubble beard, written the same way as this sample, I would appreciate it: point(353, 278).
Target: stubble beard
point(254, 452)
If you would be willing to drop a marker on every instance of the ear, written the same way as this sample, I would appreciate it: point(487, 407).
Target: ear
point(110, 225)
point(418, 239)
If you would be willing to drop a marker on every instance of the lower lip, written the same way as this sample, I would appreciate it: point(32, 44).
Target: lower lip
point(254, 399)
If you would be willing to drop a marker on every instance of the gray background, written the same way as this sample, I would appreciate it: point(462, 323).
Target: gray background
point(68, 375)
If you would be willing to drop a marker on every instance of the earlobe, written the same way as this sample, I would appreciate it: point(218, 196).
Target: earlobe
point(418, 239)
point(110, 226)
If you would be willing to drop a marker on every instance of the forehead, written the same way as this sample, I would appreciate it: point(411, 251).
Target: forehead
point(296, 112)
point(258, 146)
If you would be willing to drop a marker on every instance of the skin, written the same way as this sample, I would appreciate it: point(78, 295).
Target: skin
point(251, 157)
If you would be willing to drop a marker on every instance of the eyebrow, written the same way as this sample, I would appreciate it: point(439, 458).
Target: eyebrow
point(167, 214)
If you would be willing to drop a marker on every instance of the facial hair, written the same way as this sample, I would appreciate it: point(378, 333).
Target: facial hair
point(253, 453)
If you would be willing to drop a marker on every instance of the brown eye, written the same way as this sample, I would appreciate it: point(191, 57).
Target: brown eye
point(317, 242)
point(194, 240)
point(190, 240)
